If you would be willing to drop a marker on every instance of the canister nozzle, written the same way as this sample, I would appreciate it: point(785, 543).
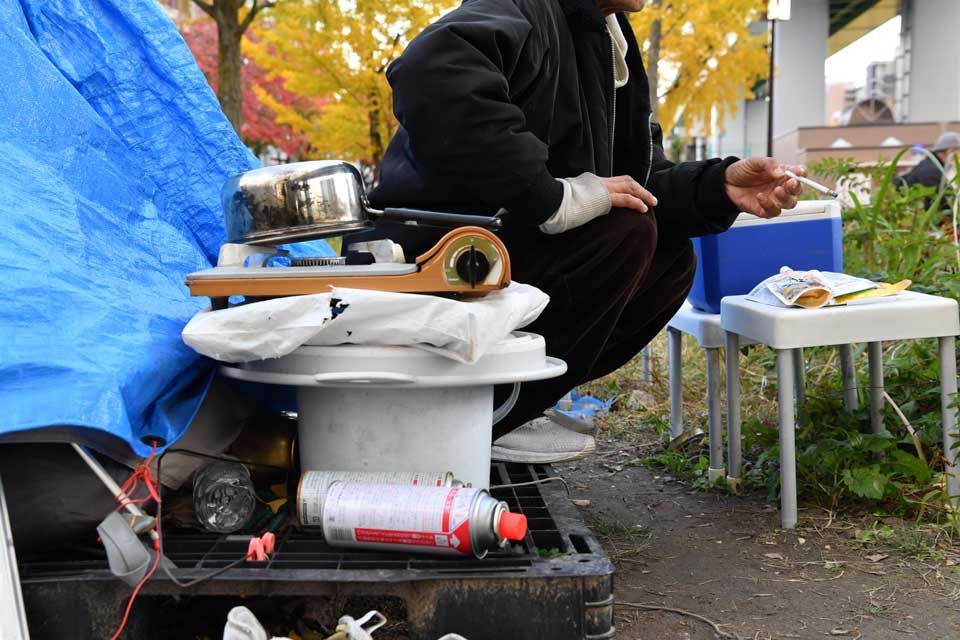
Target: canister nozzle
point(513, 526)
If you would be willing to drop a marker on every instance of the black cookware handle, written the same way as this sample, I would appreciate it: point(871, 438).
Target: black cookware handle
point(442, 219)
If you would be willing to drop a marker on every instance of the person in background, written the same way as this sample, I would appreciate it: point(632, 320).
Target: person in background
point(541, 108)
point(932, 172)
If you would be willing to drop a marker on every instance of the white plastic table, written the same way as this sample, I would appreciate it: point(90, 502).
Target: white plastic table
point(908, 316)
point(705, 327)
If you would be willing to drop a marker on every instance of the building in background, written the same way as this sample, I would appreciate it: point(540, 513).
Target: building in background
point(907, 100)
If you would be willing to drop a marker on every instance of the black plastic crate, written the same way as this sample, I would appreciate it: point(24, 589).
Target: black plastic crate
point(557, 583)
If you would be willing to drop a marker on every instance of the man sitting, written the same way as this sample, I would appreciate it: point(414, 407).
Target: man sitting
point(542, 108)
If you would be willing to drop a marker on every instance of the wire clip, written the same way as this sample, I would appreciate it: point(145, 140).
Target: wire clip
point(259, 549)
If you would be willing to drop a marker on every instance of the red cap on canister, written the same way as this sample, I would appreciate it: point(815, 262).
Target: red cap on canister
point(513, 526)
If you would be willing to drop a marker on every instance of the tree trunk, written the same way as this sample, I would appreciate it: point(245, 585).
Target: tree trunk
point(376, 139)
point(229, 91)
point(653, 63)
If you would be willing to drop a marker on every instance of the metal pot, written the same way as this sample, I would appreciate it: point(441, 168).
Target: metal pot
point(309, 200)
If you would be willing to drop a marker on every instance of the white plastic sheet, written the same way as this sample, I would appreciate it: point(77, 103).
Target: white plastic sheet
point(459, 329)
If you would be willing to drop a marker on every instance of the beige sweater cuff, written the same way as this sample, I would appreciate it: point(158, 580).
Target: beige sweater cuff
point(584, 198)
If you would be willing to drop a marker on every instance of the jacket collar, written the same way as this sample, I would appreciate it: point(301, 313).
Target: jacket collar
point(583, 15)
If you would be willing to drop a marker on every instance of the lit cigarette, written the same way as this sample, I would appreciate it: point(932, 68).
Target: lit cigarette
point(813, 185)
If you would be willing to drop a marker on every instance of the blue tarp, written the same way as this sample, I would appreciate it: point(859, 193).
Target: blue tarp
point(113, 150)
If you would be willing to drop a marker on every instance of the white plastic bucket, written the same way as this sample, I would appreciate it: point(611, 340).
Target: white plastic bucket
point(369, 408)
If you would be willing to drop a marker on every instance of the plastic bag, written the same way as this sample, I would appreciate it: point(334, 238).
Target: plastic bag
point(461, 330)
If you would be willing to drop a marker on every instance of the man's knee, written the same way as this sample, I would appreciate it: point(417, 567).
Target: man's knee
point(634, 235)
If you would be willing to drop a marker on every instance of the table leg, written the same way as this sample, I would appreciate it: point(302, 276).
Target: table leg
point(848, 377)
point(715, 425)
point(733, 410)
point(875, 360)
point(645, 375)
point(675, 346)
point(788, 454)
point(799, 378)
point(948, 392)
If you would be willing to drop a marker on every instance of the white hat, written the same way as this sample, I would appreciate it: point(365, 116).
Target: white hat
point(947, 140)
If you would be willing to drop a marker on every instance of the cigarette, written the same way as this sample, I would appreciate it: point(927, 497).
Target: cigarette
point(813, 185)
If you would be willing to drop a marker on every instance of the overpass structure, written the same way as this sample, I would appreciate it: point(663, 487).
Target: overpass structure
point(926, 68)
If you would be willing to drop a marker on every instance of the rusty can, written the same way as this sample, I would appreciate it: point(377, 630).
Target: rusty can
point(439, 520)
point(313, 487)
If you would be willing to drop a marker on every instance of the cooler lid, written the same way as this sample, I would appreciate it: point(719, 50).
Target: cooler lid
point(805, 210)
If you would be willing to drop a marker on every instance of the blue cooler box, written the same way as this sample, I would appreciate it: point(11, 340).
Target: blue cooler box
point(733, 262)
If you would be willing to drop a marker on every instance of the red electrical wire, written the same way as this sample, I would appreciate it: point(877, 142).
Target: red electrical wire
point(141, 472)
point(133, 596)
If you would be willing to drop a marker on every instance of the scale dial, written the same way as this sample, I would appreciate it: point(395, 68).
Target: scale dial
point(472, 261)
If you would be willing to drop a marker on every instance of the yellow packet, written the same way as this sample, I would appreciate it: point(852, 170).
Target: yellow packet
point(883, 289)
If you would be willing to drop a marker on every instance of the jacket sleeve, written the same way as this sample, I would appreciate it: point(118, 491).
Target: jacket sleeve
point(451, 92)
point(691, 196)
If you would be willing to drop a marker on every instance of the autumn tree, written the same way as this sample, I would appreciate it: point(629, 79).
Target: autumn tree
point(231, 26)
point(702, 57)
point(260, 127)
point(339, 50)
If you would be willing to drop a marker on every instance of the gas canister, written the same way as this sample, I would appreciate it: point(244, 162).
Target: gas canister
point(441, 520)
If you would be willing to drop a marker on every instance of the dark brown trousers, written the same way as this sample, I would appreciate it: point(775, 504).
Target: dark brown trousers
point(613, 283)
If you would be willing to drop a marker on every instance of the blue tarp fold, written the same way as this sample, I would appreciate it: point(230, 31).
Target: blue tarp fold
point(113, 150)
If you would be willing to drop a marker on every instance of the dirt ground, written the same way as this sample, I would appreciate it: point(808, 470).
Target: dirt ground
point(723, 557)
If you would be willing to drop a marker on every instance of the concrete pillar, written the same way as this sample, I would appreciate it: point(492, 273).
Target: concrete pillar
point(934, 75)
point(799, 91)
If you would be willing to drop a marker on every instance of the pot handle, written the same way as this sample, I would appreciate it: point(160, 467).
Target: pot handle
point(442, 219)
point(365, 378)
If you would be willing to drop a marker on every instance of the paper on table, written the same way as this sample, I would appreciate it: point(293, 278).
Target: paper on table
point(814, 289)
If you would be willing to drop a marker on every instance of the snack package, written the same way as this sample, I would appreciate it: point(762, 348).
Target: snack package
point(789, 288)
point(815, 289)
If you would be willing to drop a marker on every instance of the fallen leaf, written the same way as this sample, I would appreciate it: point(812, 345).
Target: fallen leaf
point(773, 556)
point(802, 540)
point(876, 557)
point(582, 503)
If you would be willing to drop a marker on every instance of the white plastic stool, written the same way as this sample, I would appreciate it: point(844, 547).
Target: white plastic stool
point(705, 327)
point(909, 316)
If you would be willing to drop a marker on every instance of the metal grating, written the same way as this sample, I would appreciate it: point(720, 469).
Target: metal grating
point(303, 551)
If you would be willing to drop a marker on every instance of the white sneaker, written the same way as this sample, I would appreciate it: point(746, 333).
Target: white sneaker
point(541, 441)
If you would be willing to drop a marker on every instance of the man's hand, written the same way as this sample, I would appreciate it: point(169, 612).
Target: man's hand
point(760, 186)
point(627, 192)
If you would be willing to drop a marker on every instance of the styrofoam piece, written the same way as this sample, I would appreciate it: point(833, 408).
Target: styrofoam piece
point(369, 408)
point(703, 326)
point(909, 315)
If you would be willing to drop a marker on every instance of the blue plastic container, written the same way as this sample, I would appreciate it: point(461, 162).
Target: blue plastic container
point(732, 263)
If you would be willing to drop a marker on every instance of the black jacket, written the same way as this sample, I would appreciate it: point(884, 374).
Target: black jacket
point(927, 173)
point(500, 97)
